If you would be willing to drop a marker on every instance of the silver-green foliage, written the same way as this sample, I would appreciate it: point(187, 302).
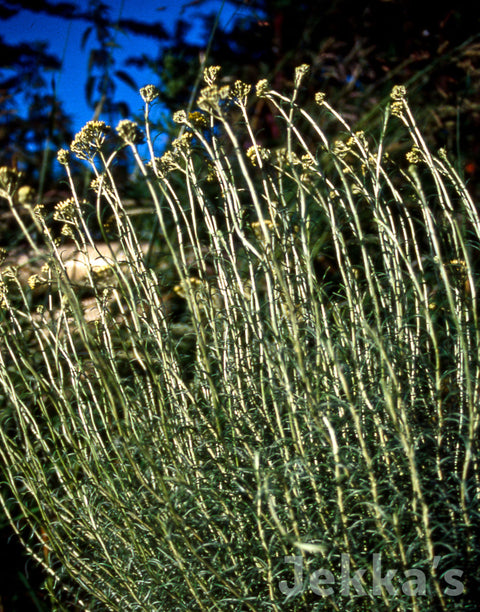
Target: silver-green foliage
point(324, 413)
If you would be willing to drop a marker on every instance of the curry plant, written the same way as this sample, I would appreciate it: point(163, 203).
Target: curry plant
point(270, 401)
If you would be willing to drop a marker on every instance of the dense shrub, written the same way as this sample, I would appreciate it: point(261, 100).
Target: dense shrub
point(276, 370)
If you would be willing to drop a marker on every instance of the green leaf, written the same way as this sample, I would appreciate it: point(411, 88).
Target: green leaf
point(85, 37)
point(127, 79)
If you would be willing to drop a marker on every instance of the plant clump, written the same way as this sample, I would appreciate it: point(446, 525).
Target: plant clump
point(275, 405)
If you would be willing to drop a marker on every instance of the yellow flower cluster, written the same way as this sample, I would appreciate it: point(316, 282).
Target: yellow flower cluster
point(414, 156)
point(90, 139)
point(300, 72)
point(164, 165)
point(210, 97)
point(358, 139)
point(149, 93)
point(256, 153)
point(398, 95)
point(63, 157)
point(340, 149)
point(239, 93)
point(180, 117)
point(65, 210)
point(198, 120)
point(101, 185)
point(262, 88)
point(210, 74)
point(9, 180)
point(130, 132)
point(182, 143)
point(257, 228)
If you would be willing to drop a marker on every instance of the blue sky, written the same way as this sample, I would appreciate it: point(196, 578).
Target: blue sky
point(64, 40)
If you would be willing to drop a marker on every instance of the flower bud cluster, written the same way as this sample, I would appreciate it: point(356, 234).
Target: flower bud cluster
point(130, 132)
point(89, 140)
point(149, 93)
point(9, 180)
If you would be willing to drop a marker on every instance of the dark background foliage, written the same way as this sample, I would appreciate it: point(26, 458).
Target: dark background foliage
point(357, 51)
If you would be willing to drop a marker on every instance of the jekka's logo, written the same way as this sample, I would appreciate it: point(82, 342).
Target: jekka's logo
point(323, 583)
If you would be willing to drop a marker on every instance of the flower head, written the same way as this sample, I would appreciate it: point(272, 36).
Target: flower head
point(180, 116)
point(340, 149)
point(149, 93)
point(209, 98)
point(399, 93)
point(9, 180)
point(257, 228)
point(397, 109)
point(257, 155)
point(414, 156)
point(182, 143)
point(63, 157)
point(210, 74)
point(198, 120)
point(35, 281)
point(240, 92)
point(101, 185)
point(90, 139)
point(39, 211)
point(65, 210)
point(300, 72)
point(130, 132)
point(164, 165)
point(26, 195)
point(262, 88)
point(359, 140)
